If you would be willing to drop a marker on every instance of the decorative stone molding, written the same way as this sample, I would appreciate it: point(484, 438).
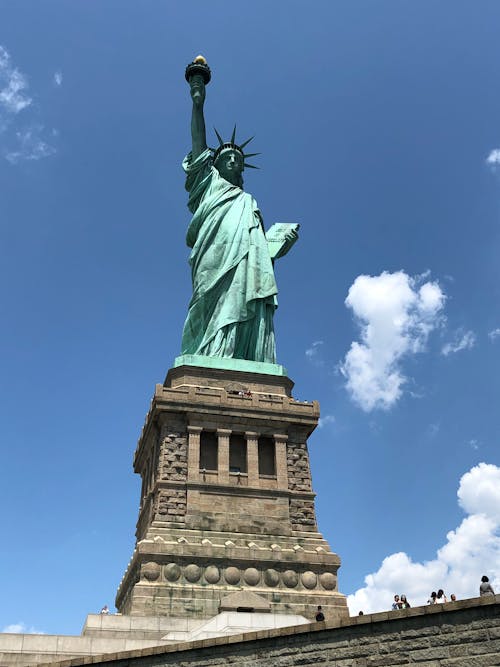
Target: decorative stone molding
point(150, 571)
point(251, 576)
point(172, 572)
point(212, 574)
point(309, 579)
point(192, 573)
point(232, 575)
point(272, 578)
point(290, 578)
point(328, 581)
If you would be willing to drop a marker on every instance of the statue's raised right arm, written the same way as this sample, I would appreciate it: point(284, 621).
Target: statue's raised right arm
point(198, 132)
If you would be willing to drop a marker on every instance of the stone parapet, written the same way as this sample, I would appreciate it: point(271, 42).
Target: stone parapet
point(457, 634)
point(204, 400)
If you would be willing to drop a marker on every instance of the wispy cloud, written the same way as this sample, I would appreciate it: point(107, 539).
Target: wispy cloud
point(313, 350)
point(395, 313)
point(433, 429)
point(470, 551)
point(494, 334)
point(13, 86)
point(22, 628)
point(324, 421)
point(30, 146)
point(22, 135)
point(313, 353)
point(462, 340)
point(58, 78)
point(474, 443)
point(493, 158)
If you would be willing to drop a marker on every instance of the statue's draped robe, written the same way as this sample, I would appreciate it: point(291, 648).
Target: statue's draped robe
point(234, 289)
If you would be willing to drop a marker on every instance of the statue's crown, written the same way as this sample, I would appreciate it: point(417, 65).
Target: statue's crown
point(232, 145)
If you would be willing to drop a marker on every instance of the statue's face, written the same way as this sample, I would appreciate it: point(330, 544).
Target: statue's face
point(230, 166)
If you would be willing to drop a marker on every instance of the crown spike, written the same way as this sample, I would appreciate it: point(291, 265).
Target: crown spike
point(245, 155)
point(251, 166)
point(242, 146)
point(233, 136)
point(221, 140)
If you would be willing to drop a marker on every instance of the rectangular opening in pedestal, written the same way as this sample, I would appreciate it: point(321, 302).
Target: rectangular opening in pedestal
point(208, 450)
point(267, 457)
point(237, 453)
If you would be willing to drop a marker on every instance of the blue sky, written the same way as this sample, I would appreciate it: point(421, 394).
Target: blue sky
point(378, 124)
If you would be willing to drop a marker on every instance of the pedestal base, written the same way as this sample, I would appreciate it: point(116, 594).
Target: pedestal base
point(241, 519)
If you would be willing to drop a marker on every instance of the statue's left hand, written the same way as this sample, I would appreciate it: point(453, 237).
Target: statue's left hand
point(291, 236)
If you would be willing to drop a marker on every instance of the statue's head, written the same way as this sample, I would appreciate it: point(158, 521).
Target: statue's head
point(230, 165)
point(229, 159)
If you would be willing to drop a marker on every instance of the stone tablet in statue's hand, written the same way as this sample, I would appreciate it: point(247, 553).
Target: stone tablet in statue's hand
point(281, 237)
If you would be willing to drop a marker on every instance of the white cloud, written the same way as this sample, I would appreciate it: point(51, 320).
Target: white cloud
point(13, 86)
point(24, 142)
point(21, 628)
point(471, 550)
point(324, 421)
point(494, 334)
point(462, 340)
point(493, 158)
point(396, 314)
point(30, 146)
point(479, 491)
point(58, 78)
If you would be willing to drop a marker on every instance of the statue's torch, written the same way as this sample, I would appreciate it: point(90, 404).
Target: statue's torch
point(198, 68)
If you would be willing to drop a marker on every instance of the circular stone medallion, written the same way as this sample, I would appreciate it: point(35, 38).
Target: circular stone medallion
point(172, 572)
point(150, 571)
point(328, 580)
point(192, 572)
point(290, 578)
point(309, 579)
point(232, 575)
point(271, 577)
point(251, 576)
point(212, 574)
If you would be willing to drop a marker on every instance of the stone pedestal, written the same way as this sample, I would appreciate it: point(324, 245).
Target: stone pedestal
point(226, 502)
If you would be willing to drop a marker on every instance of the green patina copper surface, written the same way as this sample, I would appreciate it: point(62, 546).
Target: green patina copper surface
point(234, 289)
point(243, 365)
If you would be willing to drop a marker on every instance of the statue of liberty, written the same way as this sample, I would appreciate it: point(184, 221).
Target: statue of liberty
point(234, 289)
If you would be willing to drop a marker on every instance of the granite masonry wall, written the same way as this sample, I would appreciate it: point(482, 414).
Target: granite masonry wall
point(460, 634)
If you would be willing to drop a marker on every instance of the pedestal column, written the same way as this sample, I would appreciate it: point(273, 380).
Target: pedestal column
point(194, 453)
point(223, 455)
point(252, 458)
point(281, 467)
